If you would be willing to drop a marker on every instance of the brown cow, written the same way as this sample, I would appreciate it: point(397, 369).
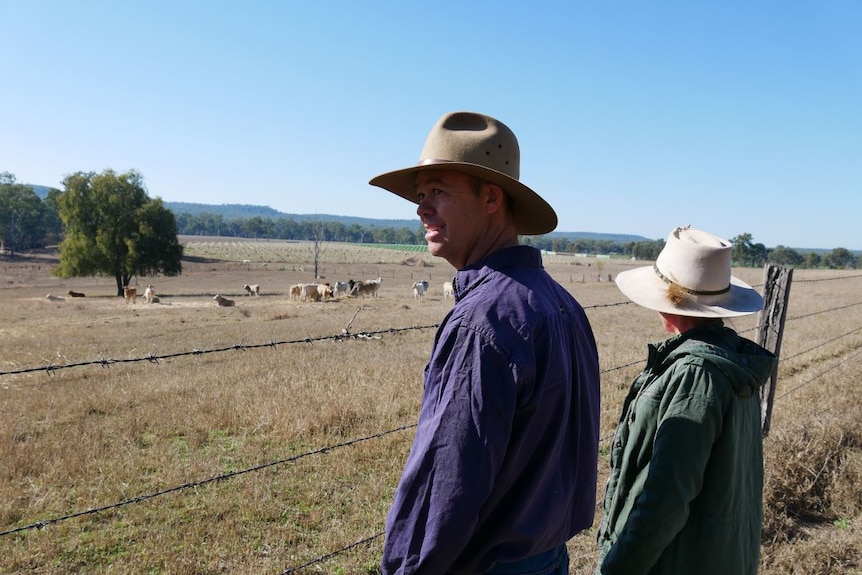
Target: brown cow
point(130, 294)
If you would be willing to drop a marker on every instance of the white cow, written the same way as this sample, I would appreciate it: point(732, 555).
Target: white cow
point(253, 289)
point(150, 294)
point(420, 289)
point(448, 290)
point(340, 288)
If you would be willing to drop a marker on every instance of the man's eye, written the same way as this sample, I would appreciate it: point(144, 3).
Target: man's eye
point(433, 192)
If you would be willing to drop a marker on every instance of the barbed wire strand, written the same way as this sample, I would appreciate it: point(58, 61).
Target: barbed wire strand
point(152, 358)
point(816, 377)
point(189, 485)
point(814, 280)
point(328, 556)
point(107, 362)
point(344, 335)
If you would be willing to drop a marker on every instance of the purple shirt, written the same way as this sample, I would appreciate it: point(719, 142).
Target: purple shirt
point(503, 465)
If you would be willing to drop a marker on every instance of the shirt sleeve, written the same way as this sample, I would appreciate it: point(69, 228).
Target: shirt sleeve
point(461, 439)
point(690, 420)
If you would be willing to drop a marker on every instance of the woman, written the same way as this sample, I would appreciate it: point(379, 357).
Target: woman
point(684, 492)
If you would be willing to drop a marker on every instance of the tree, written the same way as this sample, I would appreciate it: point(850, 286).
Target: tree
point(22, 215)
point(758, 254)
point(645, 250)
point(742, 248)
point(113, 228)
point(52, 225)
point(841, 258)
point(812, 260)
point(785, 256)
point(317, 230)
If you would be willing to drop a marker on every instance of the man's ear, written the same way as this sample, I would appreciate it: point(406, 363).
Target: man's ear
point(495, 198)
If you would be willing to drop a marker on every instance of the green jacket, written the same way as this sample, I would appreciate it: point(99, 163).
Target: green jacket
point(684, 493)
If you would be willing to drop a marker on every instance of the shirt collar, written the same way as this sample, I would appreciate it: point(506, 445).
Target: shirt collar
point(471, 276)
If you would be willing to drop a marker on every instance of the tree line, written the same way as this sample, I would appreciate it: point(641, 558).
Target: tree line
point(106, 224)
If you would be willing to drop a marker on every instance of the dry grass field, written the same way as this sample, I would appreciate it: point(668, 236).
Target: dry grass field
point(185, 438)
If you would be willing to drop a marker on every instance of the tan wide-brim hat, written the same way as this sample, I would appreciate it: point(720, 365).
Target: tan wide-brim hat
point(691, 277)
point(480, 146)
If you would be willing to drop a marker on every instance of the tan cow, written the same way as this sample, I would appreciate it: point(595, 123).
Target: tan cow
point(324, 290)
point(365, 287)
point(296, 291)
point(130, 294)
point(309, 292)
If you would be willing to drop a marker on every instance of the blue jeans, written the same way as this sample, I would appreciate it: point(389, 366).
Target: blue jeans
point(553, 562)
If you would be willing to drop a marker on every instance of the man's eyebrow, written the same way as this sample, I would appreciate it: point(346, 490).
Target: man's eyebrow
point(433, 180)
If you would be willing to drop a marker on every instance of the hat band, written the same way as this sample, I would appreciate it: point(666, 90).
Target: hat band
point(669, 281)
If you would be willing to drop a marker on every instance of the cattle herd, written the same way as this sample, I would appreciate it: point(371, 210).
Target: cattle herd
point(303, 292)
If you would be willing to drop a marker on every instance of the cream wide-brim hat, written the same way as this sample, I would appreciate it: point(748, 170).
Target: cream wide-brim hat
point(691, 277)
point(483, 147)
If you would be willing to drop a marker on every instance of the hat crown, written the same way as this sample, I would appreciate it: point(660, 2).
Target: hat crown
point(696, 260)
point(471, 138)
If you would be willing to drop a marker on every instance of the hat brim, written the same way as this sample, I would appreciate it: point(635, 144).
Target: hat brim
point(645, 288)
point(532, 215)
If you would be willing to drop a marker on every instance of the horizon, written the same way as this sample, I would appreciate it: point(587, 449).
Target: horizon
point(733, 118)
point(557, 231)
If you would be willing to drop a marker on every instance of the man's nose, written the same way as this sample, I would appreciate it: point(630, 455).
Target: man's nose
point(424, 208)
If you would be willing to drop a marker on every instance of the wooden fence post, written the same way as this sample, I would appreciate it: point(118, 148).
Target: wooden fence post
point(770, 329)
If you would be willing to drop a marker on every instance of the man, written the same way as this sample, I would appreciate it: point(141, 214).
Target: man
point(684, 493)
point(502, 470)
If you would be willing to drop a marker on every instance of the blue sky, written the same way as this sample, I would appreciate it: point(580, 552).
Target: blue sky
point(633, 117)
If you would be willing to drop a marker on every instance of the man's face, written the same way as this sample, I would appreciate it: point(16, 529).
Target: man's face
point(452, 211)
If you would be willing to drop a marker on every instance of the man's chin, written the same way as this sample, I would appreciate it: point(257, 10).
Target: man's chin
point(436, 249)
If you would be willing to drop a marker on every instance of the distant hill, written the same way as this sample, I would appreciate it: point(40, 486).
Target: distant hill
point(245, 211)
point(236, 211)
point(41, 191)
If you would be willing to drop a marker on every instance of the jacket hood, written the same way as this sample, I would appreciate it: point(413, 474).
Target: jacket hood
point(745, 363)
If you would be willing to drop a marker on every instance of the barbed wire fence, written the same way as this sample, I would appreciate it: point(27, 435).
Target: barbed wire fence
point(371, 335)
